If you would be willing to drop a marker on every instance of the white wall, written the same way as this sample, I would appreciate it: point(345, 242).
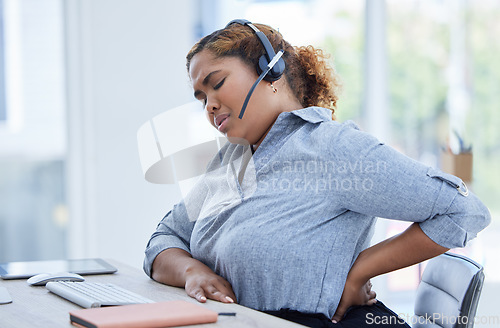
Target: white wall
point(126, 64)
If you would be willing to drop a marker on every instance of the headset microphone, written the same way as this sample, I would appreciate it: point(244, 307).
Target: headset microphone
point(262, 75)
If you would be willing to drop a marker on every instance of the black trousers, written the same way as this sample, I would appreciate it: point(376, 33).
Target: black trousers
point(377, 315)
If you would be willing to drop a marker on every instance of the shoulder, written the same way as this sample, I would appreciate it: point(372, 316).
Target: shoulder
point(321, 123)
point(322, 118)
point(330, 137)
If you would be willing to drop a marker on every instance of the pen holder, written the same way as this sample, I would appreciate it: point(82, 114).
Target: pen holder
point(459, 165)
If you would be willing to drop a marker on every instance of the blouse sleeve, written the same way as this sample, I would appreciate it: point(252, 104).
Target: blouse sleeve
point(388, 184)
point(173, 231)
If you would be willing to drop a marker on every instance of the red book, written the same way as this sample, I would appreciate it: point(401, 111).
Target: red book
point(149, 315)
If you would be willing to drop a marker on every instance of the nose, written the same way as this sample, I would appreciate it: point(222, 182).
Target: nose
point(212, 105)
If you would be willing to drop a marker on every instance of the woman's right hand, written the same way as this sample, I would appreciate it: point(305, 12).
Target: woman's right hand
point(176, 267)
point(202, 284)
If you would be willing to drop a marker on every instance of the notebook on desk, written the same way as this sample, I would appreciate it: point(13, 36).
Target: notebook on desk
point(151, 315)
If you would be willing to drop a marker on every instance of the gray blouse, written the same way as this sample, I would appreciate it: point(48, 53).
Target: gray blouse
point(285, 225)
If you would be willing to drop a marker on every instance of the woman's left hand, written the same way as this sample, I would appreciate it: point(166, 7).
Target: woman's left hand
point(354, 294)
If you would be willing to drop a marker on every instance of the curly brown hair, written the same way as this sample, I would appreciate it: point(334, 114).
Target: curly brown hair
point(312, 80)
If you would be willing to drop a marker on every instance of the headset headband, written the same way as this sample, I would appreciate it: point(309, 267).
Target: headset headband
point(277, 70)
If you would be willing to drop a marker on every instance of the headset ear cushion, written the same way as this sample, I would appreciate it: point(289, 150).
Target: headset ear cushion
point(275, 73)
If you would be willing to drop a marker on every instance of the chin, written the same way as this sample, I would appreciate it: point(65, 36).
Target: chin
point(237, 140)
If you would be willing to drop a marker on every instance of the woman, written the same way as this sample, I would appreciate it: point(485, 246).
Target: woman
point(283, 219)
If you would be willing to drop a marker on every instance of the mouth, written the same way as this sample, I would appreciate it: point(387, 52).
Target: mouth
point(220, 121)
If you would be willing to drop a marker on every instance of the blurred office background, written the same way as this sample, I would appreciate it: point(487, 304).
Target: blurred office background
point(79, 77)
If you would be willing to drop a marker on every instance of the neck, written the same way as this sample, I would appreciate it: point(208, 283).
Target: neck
point(289, 109)
point(285, 101)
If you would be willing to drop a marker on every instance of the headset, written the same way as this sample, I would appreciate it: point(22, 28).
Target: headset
point(271, 66)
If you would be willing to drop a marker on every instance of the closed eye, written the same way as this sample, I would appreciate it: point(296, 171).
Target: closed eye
point(218, 85)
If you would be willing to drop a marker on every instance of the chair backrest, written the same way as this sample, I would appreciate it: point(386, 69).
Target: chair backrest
point(449, 292)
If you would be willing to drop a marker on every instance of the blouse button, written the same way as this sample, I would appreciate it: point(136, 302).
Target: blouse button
point(463, 190)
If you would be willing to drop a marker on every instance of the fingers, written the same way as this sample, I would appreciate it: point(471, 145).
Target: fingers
point(356, 296)
point(214, 289)
point(368, 286)
point(336, 318)
point(341, 310)
point(219, 293)
point(199, 295)
point(372, 299)
point(370, 294)
point(339, 314)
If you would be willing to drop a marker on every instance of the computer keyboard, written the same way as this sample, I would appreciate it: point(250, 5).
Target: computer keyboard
point(93, 294)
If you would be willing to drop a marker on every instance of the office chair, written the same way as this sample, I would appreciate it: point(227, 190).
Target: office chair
point(448, 294)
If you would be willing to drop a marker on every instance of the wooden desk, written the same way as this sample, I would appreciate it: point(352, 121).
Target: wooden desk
point(37, 307)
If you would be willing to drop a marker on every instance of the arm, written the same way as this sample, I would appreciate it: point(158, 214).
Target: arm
point(408, 248)
point(168, 260)
point(397, 187)
point(176, 267)
point(394, 186)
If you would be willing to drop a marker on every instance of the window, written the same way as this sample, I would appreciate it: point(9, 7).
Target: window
point(33, 220)
point(3, 109)
point(334, 26)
